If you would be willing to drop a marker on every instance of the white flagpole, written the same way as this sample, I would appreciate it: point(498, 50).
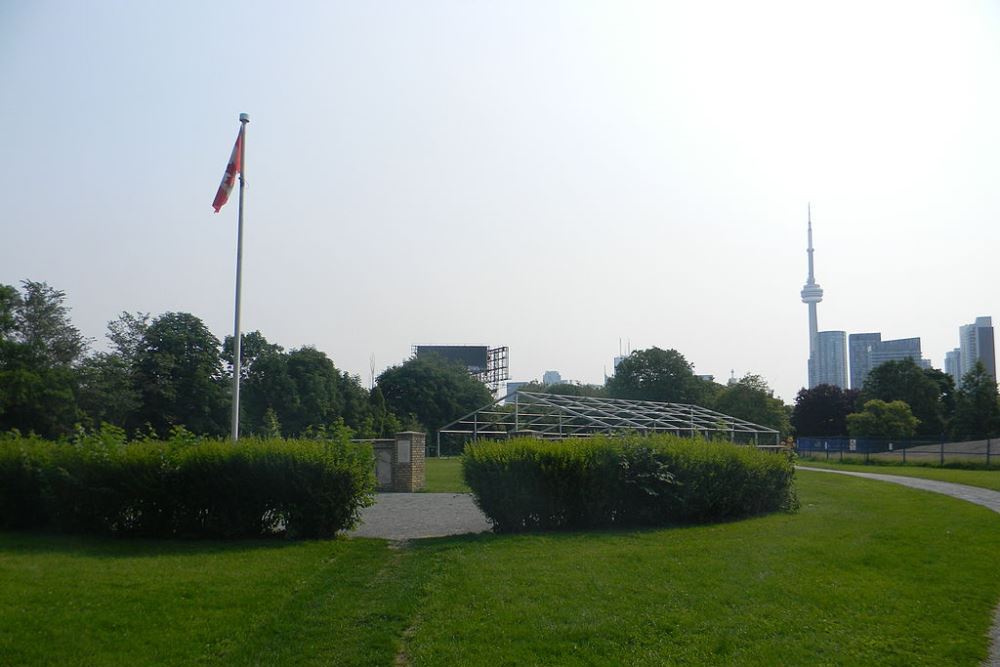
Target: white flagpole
point(244, 119)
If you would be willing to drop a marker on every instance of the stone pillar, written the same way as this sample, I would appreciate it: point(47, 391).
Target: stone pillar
point(408, 461)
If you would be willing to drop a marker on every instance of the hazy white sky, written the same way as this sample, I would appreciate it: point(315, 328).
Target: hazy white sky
point(551, 176)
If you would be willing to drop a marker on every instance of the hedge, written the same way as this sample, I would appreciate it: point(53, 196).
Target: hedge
point(630, 480)
point(184, 487)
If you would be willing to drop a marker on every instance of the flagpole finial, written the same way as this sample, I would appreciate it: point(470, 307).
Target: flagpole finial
point(244, 118)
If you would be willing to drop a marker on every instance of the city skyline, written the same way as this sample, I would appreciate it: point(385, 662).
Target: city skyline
point(551, 177)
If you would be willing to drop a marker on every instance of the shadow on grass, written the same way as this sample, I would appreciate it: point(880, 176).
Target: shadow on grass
point(22, 542)
point(571, 534)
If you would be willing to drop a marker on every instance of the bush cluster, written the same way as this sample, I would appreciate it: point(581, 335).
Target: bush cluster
point(630, 480)
point(186, 486)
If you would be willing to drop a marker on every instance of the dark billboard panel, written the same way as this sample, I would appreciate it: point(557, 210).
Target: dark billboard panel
point(473, 357)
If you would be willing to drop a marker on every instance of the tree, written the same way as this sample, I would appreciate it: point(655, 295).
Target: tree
point(268, 396)
point(108, 390)
point(253, 345)
point(823, 410)
point(880, 419)
point(753, 400)
point(431, 390)
point(322, 395)
point(658, 375)
point(39, 350)
point(566, 389)
point(977, 412)
point(905, 381)
point(179, 376)
point(41, 321)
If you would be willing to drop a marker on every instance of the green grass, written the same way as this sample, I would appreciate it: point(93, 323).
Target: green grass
point(444, 475)
point(69, 600)
point(865, 573)
point(988, 479)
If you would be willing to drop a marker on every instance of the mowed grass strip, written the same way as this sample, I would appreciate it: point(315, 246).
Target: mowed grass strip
point(68, 600)
point(987, 479)
point(444, 475)
point(866, 573)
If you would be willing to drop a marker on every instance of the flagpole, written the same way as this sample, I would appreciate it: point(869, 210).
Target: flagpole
point(244, 119)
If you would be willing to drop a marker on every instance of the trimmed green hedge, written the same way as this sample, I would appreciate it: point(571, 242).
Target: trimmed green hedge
point(630, 480)
point(185, 487)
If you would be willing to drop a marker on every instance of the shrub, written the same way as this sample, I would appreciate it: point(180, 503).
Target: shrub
point(629, 480)
point(98, 483)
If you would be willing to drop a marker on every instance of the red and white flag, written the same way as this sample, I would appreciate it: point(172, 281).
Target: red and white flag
point(234, 167)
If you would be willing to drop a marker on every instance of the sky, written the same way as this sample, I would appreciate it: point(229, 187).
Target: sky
point(551, 176)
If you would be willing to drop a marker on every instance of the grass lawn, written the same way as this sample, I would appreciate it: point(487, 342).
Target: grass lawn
point(444, 475)
point(865, 573)
point(988, 479)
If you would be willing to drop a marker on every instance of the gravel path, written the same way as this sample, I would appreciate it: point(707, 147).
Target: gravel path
point(408, 516)
point(973, 494)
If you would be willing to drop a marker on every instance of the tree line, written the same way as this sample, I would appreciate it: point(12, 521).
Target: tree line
point(168, 371)
point(900, 399)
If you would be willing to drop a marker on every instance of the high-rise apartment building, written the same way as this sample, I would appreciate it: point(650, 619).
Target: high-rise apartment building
point(976, 344)
point(953, 365)
point(869, 351)
point(860, 348)
point(831, 358)
point(897, 350)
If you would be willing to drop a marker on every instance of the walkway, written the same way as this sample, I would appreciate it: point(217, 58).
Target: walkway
point(973, 494)
point(409, 516)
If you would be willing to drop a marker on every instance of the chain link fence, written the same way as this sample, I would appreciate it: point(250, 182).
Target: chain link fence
point(927, 451)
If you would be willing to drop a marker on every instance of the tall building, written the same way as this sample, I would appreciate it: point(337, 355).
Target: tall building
point(811, 295)
point(513, 387)
point(869, 351)
point(551, 377)
point(831, 358)
point(953, 365)
point(897, 350)
point(976, 344)
point(860, 347)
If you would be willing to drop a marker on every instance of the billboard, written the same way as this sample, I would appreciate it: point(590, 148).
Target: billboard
point(473, 357)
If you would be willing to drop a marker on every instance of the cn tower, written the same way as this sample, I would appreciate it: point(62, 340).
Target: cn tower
point(811, 295)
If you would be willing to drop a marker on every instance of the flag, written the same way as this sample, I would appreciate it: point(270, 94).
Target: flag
point(229, 178)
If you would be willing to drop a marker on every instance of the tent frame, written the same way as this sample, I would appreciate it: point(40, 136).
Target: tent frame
point(555, 416)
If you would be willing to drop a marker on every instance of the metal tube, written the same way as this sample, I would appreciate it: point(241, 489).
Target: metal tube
point(237, 351)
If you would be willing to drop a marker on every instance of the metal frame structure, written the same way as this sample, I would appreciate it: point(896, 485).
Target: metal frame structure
point(496, 368)
point(554, 417)
point(495, 372)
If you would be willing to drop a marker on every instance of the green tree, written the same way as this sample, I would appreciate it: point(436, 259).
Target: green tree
point(431, 390)
point(977, 412)
point(925, 392)
point(566, 389)
point(658, 375)
point(753, 400)
point(39, 351)
point(323, 395)
point(108, 390)
point(179, 377)
point(823, 410)
point(880, 419)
